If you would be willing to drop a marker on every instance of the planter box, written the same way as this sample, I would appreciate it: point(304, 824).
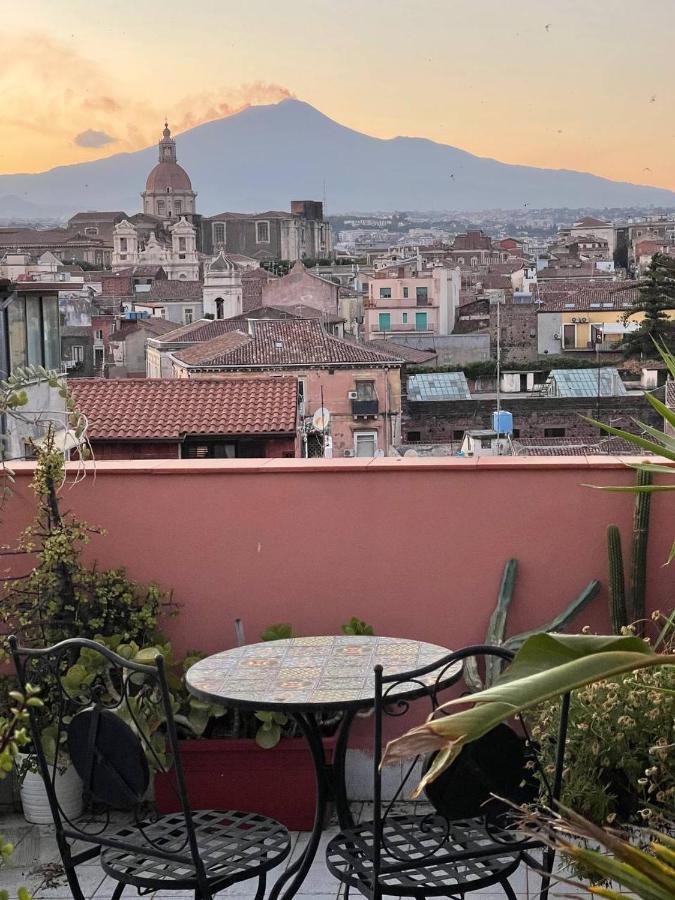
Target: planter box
point(238, 774)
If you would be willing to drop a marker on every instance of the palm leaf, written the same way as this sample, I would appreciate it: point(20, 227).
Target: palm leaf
point(546, 666)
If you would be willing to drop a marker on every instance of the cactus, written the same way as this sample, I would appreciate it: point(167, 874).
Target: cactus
point(497, 627)
point(618, 608)
point(638, 575)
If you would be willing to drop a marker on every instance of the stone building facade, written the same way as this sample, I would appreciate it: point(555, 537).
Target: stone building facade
point(271, 235)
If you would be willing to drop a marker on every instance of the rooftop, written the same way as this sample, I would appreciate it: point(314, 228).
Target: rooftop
point(605, 382)
point(288, 342)
point(438, 386)
point(174, 289)
point(171, 408)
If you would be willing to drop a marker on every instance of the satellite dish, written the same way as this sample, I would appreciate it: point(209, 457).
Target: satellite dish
point(321, 419)
point(411, 453)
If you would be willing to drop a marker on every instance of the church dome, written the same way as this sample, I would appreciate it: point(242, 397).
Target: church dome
point(168, 176)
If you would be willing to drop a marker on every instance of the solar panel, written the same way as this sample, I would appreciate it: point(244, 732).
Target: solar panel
point(585, 383)
point(439, 386)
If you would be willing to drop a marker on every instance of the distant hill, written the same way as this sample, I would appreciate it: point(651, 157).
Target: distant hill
point(265, 156)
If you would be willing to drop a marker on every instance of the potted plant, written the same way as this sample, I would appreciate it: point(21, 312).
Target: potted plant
point(251, 760)
point(60, 597)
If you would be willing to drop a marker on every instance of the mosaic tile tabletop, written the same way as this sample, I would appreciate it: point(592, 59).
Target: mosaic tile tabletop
point(330, 671)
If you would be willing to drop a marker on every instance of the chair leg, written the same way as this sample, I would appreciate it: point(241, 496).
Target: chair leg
point(508, 890)
point(262, 883)
point(119, 890)
point(73, 883)
point(547, 869)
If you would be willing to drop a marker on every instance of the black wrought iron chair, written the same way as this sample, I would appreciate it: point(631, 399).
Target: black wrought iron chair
point(112, 715)
point(469, 842)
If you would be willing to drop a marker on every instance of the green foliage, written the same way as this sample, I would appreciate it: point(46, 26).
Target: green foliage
point(657, 442)
point(269, 733)
point(280, 632)
point(496, 630)
point(656, 301)
point(545, 668)
point(619, 765)
point(357, 627)
point(617, 585)
point(62, 597)
point(13, 738)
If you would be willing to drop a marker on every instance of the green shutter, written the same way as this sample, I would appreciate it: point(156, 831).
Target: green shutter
point(385, 321)
point(420, 321)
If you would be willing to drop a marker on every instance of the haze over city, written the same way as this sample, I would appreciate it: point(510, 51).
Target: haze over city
point(563, 84)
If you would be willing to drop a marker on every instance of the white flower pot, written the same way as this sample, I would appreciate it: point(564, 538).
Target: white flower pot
point(35, 802)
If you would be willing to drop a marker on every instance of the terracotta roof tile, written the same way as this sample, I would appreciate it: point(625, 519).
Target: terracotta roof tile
point(288, 342)
point(201, 330)
point(174, 289)
point(409, 354)
point(621, 296)
point(169, 408)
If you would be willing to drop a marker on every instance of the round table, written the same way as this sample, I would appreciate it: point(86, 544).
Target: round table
point(303, 677)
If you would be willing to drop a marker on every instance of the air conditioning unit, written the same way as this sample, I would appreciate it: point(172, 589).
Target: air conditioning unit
point(352, 395)
point(575, 319)
point(583, 319)
point(349, 453)
point(556, 336)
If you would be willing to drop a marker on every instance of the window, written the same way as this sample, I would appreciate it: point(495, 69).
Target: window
point(405, 293)
point(98, 334)
point(160, 207)
point(405, 318)
point(554, 432)
point(123, 245)
point(161, 312)
point(458, 434)
point(302, 390)
point(177, 206)
point(422, 296)
point(188, 315)
point(262, 232)
point(219, 308)
point(385, 293)
point(181, 244)
point(365, 390)
point(218, 233)
point(421, 322)
point(569, 337)
point(365, 443)
point(91, 229)
point(413, 436)
point(384, 322)
point(77, 353)
point(32, 325)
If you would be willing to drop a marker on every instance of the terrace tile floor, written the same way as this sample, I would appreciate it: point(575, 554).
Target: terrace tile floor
point(36, 865)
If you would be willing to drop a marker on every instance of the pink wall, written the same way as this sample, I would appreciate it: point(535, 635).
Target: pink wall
point(415, 547)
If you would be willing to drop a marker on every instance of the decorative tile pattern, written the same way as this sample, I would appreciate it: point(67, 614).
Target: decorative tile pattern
point(310, 671)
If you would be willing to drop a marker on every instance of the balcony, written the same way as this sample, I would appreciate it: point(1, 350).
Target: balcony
point(365, 408)
point(168, 521)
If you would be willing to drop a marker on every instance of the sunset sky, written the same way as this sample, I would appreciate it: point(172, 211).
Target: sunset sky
point(570, 84)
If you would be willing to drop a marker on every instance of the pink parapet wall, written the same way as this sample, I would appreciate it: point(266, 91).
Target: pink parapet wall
point(415, 547)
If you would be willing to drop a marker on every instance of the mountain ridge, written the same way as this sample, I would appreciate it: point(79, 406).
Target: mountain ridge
point(264, 156)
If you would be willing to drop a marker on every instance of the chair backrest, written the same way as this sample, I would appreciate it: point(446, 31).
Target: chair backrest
point(109, 716)
point(501, 764)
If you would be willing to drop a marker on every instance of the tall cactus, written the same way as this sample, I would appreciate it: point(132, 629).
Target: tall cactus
point(618, 608)
point(638, 575)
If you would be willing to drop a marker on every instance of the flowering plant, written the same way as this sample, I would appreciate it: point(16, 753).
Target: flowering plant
point(619, 752)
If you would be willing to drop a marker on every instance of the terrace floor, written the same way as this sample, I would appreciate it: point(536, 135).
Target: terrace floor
point(36, 865)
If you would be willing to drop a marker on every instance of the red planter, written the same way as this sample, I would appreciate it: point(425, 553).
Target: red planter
point(238, 774)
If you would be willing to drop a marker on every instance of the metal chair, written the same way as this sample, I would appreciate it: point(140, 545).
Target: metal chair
point(112, 715)
point(469, 842)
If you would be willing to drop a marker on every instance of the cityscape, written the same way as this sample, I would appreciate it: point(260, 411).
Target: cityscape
point(337, 379)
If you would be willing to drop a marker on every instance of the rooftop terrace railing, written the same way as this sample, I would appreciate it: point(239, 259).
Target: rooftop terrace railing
point(415, 547)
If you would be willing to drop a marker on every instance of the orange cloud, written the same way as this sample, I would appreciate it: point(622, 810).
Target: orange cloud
point(53, 89)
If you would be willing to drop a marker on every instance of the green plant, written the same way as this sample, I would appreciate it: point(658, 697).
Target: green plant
point(656, 300)
point(496, 629)
point(657, 442)
point(13, 738)
point(546, 667)
point(279, 632)
point(61, 596)
point(618, 765)
point(647, 872)
point(357, 627)
point(617, 585)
